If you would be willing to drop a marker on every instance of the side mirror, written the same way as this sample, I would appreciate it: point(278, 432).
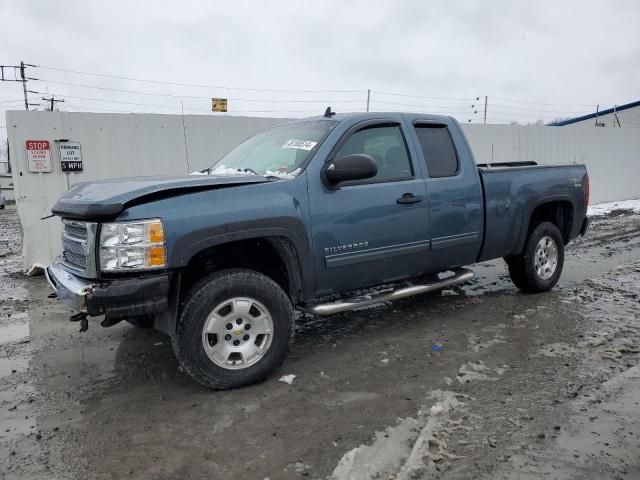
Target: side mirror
point(356, 166)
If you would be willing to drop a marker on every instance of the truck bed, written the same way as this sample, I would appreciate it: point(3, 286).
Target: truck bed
point(512, 191)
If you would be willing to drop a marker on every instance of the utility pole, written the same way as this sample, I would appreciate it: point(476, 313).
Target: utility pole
point(24, 85)
point(485, 110)
point(52, 100)
point(23, 78)
point(368, 98)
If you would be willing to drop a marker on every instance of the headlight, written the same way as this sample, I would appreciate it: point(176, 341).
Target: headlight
point(132, 246)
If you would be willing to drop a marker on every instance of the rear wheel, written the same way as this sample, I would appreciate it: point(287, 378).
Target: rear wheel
point(234, 330)
point(539, 266)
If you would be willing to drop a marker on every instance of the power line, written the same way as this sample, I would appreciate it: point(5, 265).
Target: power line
point(271, 90)
point(499, 109)
point(11, 101)
point(122, 102)
point(519, 108)
point(90, 108)
point(547, 104)
point(200, 97)
point(446, 107)
point(177, 106)
point(421, 96)
point(220, 87)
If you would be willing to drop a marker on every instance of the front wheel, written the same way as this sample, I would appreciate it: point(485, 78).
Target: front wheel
point(234, 330)
point(539, 266)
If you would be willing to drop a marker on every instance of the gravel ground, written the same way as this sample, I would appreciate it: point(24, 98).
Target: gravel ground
point(473, 382)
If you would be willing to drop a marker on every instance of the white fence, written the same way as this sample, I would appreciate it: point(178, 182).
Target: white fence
point(112, 145)
point(612, 155)
point(115, 145)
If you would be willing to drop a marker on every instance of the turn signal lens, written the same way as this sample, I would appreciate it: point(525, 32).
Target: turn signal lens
point(156, 233)
point(156, 257)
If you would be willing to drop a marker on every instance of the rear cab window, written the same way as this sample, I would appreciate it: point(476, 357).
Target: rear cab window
point(438, 150)
point(386, 144)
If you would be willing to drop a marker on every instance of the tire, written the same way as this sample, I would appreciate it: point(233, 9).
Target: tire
point(235, 298)
point(141, 321)
point(534, 270)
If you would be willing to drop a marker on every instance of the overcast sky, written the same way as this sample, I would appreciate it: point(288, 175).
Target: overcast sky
point(536, 59)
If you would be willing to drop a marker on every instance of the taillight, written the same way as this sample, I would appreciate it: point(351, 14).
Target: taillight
point(586, 190)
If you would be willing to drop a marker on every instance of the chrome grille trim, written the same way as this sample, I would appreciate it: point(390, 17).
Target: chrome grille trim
point(78, 247)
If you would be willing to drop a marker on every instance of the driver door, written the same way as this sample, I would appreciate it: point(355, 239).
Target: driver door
point(371, 231)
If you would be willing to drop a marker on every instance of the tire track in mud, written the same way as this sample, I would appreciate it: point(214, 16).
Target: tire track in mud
point(512, 434)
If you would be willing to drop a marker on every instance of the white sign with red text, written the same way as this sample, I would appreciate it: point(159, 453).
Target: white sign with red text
point(38, 156)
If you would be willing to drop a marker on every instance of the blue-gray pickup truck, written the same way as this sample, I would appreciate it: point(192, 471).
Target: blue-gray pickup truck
point(299, 217)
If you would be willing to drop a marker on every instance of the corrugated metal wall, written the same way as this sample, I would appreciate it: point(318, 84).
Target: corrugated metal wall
point(612, 155)
point(115, 145)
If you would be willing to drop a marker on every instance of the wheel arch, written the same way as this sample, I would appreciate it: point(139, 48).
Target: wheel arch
point(272, 253)
point(557, 209)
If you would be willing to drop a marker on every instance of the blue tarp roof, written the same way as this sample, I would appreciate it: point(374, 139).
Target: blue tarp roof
point(593, 115)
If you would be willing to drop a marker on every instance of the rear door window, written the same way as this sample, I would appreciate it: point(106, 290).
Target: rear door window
point(438, 150)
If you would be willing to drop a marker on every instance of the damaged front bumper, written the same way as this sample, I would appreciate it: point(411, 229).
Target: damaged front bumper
point(117, 298)
point(70, 290)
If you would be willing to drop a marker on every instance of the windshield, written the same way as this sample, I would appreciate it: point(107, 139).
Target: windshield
point(277, 152)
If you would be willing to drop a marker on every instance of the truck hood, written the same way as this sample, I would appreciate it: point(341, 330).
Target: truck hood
point(107, 198)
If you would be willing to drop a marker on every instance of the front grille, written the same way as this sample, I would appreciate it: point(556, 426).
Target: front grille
point(74, 244)
point(76, 230)
point(75, 259)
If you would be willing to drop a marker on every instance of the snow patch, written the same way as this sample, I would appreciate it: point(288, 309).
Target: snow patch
point(473, 371)
point(283, 175)
point(288, 379)
point(606, 208)
point(412, 449)
point(224, 170)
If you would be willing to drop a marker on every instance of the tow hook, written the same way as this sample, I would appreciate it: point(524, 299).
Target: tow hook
point(82, 318)
point(52, 295)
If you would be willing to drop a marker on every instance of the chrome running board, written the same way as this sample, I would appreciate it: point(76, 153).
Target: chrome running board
point(460, 275)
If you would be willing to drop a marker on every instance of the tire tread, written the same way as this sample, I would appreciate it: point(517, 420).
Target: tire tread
point(215, 284)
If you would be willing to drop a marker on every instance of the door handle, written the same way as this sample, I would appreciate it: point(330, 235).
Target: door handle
point(408, 198)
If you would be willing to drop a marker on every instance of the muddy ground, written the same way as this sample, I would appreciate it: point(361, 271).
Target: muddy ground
point(476, 382)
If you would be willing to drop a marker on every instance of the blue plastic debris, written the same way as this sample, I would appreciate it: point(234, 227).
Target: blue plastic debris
point(436, 347)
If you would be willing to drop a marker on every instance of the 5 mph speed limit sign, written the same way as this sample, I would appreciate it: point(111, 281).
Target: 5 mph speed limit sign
point(70, 157)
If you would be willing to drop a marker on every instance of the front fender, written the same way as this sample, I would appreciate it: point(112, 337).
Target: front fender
point(286, 235)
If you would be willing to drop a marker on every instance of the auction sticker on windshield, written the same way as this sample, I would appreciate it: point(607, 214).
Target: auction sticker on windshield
point(300, 144)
